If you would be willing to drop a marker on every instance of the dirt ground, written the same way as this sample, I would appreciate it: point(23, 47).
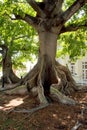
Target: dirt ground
point(56, 116)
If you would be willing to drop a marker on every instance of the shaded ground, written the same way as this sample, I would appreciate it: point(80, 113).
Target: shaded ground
point(56, 116)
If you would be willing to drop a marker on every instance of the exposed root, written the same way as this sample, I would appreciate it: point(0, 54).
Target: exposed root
point(23, 84)
point(12, 86)
point(41, 95)
point(81, 88)
point(31, 74)
point(10, 78)
point(69, 84)
point(49, 79)
point(79, 122)
point(77, 125)
point(40, 87)
point(51, 76)
point(61, 97)
point(31, 111)
point(21, 90)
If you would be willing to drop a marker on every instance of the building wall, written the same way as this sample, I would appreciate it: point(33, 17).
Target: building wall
point(78, 68)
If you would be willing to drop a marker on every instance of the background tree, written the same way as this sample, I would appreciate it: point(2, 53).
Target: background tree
point(52, 18)
point(15, 44)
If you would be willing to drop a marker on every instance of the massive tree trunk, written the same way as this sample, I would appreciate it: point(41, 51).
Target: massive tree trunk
point(8, 74)
point(49, 79)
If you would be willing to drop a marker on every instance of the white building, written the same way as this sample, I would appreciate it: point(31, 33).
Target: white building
point(78, 69)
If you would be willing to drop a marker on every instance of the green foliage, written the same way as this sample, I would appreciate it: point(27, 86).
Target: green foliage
point(22, 40)
point(18, 36)
point(67, 3)
point(73, 44)
point(19, 7)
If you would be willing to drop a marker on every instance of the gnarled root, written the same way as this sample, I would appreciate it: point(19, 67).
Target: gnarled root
point(49, 79)
point(32, 110)
point(52, 79)
point(81, 88)
point(61, 97)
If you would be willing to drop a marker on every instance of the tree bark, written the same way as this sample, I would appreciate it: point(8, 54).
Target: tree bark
point(8, 74)
point(48, 74)
point(48, 44)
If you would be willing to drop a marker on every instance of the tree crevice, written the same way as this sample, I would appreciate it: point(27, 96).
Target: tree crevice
point(50, 74)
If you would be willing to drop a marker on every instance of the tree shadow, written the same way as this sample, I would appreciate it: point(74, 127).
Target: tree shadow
point(55, 116)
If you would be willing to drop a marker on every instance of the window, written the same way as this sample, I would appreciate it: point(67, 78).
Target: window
point(72, 68)
point(84, 70)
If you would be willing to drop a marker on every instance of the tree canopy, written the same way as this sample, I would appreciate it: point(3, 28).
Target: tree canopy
point(19, 36)
point(74, 39)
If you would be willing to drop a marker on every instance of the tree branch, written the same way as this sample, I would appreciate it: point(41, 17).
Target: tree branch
point(73, 9)
point(73, 27)
point(35, 6)
point(3, 46)
point(57, 7)
point(27, 18)
point(19, 37)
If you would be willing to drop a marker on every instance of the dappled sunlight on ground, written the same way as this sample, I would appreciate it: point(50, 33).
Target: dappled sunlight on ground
point(56, 116)
point(12, 103)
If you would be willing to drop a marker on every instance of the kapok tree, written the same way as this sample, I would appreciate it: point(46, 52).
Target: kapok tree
point(15, 42)
point(48, 78)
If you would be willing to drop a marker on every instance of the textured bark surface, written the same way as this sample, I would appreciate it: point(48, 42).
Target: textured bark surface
point(8, 74)
point(49, 79)
point(51, 76)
